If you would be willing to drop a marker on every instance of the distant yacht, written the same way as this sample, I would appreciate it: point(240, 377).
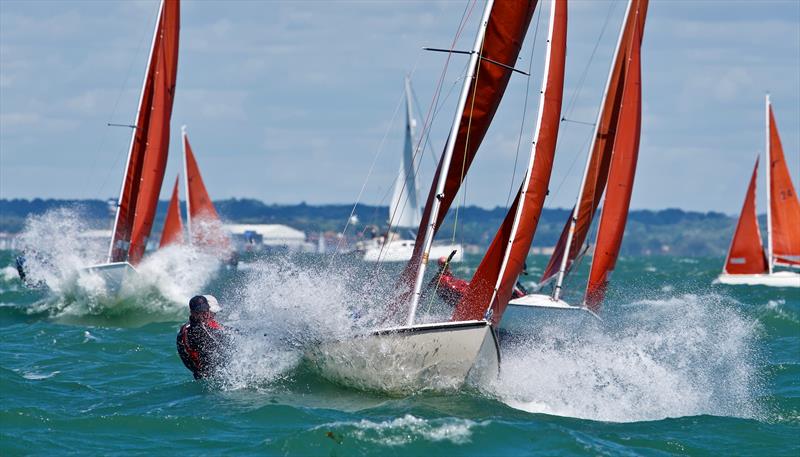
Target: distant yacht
point(746, 262)
point(404, 212)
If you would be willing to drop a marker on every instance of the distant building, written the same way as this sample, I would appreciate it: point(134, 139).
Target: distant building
point(268, 237)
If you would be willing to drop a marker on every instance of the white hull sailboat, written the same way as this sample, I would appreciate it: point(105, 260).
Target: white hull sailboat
point(412, 358)
point(402, 250)
point(441, 354)
point(746, 262)
point(147, 155)
point(404, 212)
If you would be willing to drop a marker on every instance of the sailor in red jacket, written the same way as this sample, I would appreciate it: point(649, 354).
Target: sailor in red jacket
point(451, 288)
point(201, 341)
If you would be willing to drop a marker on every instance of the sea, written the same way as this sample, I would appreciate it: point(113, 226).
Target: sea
point(678, 366)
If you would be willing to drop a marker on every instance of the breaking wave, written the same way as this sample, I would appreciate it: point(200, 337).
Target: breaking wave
point(653, 359)
point(57, 252)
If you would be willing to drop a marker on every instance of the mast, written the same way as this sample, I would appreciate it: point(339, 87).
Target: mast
point(768, 168)
point(534, 143)
point(446, 158)
point(575, 212)
point(184, 139)
point(133, 144)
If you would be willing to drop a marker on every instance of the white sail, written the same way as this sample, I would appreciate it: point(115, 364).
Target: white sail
point(405, 208)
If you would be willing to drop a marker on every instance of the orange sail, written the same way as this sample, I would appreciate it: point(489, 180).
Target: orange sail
point(621, 175)
point(173, 224)
point(205, 226)
point(493, 281)
point(505, 31)
point(746, 254)
point(596, 173)
point(784, 206)
point(147, 157)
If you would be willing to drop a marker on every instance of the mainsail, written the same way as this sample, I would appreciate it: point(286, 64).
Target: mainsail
point(497, 45)
point(746, 253)
point(147, 156)
point(620, 178)
point(493, 281)
point(784, 207)
point(595, 177)
point(405, 210)
point(172, 232)
point(205, 226)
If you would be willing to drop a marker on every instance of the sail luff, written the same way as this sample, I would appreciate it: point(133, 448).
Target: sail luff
point(433, 205)
point(746, 251)
point(153, 134)
point(120, 233)
point(172, 233)
point(512, 242)
point(622, 172)
point(783, 205)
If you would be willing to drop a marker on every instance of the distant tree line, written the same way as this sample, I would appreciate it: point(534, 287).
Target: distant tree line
point(662, 232)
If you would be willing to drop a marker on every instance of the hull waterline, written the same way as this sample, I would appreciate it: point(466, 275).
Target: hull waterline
point(114, 274)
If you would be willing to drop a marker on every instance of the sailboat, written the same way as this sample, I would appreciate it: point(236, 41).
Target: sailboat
point(746, 262)
point(610, 169)
point(204, 226)
point(404, 212)
point(447, 354)
point(147, 155)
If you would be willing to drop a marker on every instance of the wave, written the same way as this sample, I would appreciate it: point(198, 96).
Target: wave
point(653, 359)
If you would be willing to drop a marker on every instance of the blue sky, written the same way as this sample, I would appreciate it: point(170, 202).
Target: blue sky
point(289, 101)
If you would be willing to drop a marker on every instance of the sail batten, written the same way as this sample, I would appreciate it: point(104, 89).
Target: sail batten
point(493, 282)
point(172, 233)
point(147, 154)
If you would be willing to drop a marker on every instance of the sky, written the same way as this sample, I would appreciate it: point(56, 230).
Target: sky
point(295, 101)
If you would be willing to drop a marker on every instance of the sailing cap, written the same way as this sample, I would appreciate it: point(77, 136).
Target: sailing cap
point(213, 304)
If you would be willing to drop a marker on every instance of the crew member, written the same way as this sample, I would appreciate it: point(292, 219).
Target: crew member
point(451, 288)
point(202, 341)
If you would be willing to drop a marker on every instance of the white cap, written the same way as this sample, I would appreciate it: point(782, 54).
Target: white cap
point(213, 304)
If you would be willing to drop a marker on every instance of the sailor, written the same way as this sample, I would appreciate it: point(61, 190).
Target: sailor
point(451, 288)
point(202, 341)
point(448, 287)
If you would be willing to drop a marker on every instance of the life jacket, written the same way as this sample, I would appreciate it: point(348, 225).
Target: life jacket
point(194, 354)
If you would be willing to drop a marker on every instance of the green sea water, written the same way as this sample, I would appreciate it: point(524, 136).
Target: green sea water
point(678, 367)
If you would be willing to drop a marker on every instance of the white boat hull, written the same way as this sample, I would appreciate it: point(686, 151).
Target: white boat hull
point(776, 279)
point(401, 251)
point(399, 360)
point(525, 313)
point(114, 274)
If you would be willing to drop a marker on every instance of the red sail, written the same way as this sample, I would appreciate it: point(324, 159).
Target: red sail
point(505, 258)
point(598, 168)
point(746, 254)
point(783, 202)
point(505, 31)
point(621, 174)
point(173, 224)
point(205, 226)
point(147, 158)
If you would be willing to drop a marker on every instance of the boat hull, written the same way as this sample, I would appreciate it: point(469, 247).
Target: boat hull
point(776, 279)
point(114, 274)
point(401, 251)
point(400, 360)
point(524, 314)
